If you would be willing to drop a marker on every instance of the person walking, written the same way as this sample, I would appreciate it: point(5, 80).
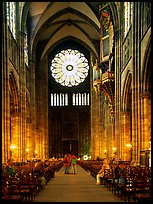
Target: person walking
point(69, 164)
point(66, 161)
point(73, 161)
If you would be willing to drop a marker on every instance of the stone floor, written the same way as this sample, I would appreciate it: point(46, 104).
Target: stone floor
point(80, 187)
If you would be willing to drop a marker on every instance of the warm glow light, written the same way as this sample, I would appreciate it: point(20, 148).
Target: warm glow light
point(149, 145)
point(12, 147)
point(129, 145)
point(114, 148)
point(36, 151)
point(27, 150)
point(85, 157)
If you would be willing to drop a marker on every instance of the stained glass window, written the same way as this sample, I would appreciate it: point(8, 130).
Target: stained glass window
point(26, 47)
point(69, 67)
point(81, 99)
point(59, 99)
point(11, 17)
point(128, 6)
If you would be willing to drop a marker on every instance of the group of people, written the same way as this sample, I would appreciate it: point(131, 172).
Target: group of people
point(70, 161)
point(118, 169)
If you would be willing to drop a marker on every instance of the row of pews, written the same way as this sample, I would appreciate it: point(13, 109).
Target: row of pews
point(23, 181)
point(130, 184)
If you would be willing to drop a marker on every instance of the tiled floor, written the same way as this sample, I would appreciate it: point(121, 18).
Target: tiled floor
point(80, 187)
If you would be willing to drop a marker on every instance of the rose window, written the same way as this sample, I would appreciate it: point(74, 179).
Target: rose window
point(69, 67)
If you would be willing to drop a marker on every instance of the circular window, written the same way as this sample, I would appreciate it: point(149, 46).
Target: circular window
point(69, 67)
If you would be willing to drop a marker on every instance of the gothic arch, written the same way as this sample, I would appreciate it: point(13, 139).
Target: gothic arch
point(13, 90)
point(114, 11)
point(14, 117)
point(145, 97)
point(146, 68)
point(24, 14)
point(27, 106)
point(126, 118)
point(75, 40)
point(126, 97)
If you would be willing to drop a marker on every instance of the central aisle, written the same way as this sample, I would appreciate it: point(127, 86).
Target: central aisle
point(80, 187)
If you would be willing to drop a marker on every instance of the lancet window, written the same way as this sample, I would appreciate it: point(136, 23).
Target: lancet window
point(128, 10)
point(11, 17)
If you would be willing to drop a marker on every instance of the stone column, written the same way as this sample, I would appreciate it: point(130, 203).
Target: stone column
point(28, 150)
point(136, 132)
point(32, 105)
point(5, 90)
point(117, 97)
point(22, 96)
point(42, 107)
point(15, 137)
point(146, 120)
point(126, 135)
point(95, 125)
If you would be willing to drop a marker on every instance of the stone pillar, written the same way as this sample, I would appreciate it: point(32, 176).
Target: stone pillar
point(146, 120)
point(15, 137)
point(42, 115)
point(29, 141)
point(113, 147)
point(125, 148)
point(32, 106)
point(117, 97)
point(95, 105)
point(5, 90)
point(102, 132)
point(22, 97)
point(95, 125)
point(45, 108)
point(136, 131)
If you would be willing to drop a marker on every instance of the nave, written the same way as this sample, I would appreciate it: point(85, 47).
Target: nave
point(79, 187)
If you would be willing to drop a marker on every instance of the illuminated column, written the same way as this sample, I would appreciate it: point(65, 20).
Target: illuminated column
point(125, 135)
point(95, 103)
point(114, 149)
point(22, 86)
point(15, 137)
point(13, 152)
point(29, 141)
point(112, 139)
point(5, 90)
point(146, 120)
point(27, 154)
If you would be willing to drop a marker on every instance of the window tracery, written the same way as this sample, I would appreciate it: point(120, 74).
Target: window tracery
point(26, 47)
point(11, 17)
point(127, 16)
point(62, 99)
point(69, 67)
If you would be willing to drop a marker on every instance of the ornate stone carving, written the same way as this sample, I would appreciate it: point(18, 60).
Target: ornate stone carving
point(97, 85)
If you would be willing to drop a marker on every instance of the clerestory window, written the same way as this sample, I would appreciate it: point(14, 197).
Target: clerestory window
point(11, 17)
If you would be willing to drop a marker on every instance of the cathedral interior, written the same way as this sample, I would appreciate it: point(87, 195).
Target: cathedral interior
point(76, 76)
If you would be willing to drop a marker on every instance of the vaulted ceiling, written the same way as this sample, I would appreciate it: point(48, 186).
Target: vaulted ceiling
point(52, 22)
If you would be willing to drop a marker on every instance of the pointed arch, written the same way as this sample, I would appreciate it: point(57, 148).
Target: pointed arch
point(114, 10)
point(14, 96)
point(24, 14)
point(146, 68)
point(127, 92)
point(28, 106)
